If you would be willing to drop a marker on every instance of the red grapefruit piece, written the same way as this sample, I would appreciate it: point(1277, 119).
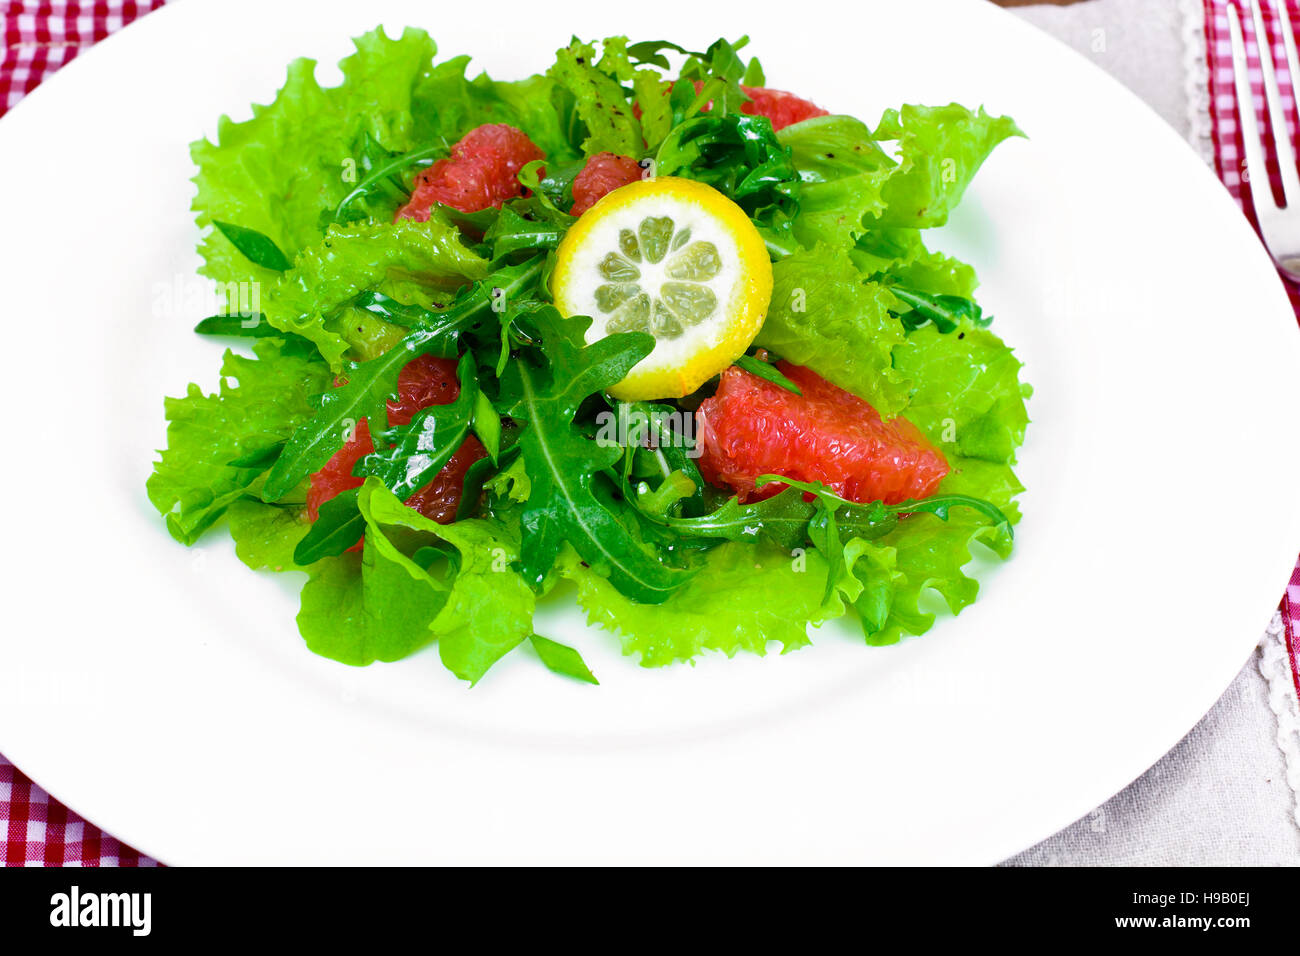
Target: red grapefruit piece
point(424, 381)
point(753, 427)
point(439, 499)
point(603, 173)
point(480, 172)
point(782, 108)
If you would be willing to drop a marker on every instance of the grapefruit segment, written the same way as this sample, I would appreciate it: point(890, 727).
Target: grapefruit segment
point(753, 427)
point(603, 173)
point(782, 108)
point(424, 381)
point(481, 172)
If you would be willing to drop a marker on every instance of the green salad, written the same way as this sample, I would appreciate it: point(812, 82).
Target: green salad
point(667, 341)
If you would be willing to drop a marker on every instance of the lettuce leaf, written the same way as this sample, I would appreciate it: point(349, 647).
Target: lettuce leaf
point(599, 98)
point(538, 106)
point(968, 396)
point(900, 255)
point(823, 315)
point(385, 604)
point(259, 403)
point(414, 262)
point(446, 104)
point(280, 171)
point(842, 171)
point(971, 404)
point(850, 183)
point(744, 596)
point(940, 148)
point(265, 535)
point(283, 172)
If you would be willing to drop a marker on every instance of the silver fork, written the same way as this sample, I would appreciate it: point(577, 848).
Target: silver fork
point(1279, 225)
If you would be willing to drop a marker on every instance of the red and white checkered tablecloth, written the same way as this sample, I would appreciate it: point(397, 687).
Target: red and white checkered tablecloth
point(1225, 129)
point(35, 829)
point(40, 37)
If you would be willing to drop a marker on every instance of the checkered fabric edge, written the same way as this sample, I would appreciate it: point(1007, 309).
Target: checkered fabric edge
point(41, 37)
point(35, 829)
point(40, 831)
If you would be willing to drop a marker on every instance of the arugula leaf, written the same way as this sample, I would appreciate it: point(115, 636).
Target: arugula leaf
point(382, 195)
point(947, 312)
point(242, 326)
point(514, 233)
point(654, 448)
point(371, 384)
point(364, 394)
point(649, 52)
point(767, 371)
point(338, 526)
point(740, 156)
point(511, 482)
point(254, 246)
point(719, 69)
point(675, 488)
point(562, 659)
point(566, 501)
point(380, 174)
point(871, 515)
point(390, 310)
point(486, 422)
point(421, 449)
point(552, 188)
point(781, 519)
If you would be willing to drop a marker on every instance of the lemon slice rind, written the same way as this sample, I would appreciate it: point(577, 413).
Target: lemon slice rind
point(674, 258)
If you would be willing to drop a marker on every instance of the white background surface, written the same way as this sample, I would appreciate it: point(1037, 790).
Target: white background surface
point(1221, 796)
point(164, 694)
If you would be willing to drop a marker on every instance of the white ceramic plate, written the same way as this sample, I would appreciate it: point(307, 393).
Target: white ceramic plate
point(166, 695)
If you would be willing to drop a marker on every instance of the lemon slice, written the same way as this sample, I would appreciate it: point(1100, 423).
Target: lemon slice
point(674, 258)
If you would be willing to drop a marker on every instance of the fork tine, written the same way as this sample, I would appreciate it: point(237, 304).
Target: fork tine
point(1256, 170)
point(1288, 41)
point(1277, 116)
